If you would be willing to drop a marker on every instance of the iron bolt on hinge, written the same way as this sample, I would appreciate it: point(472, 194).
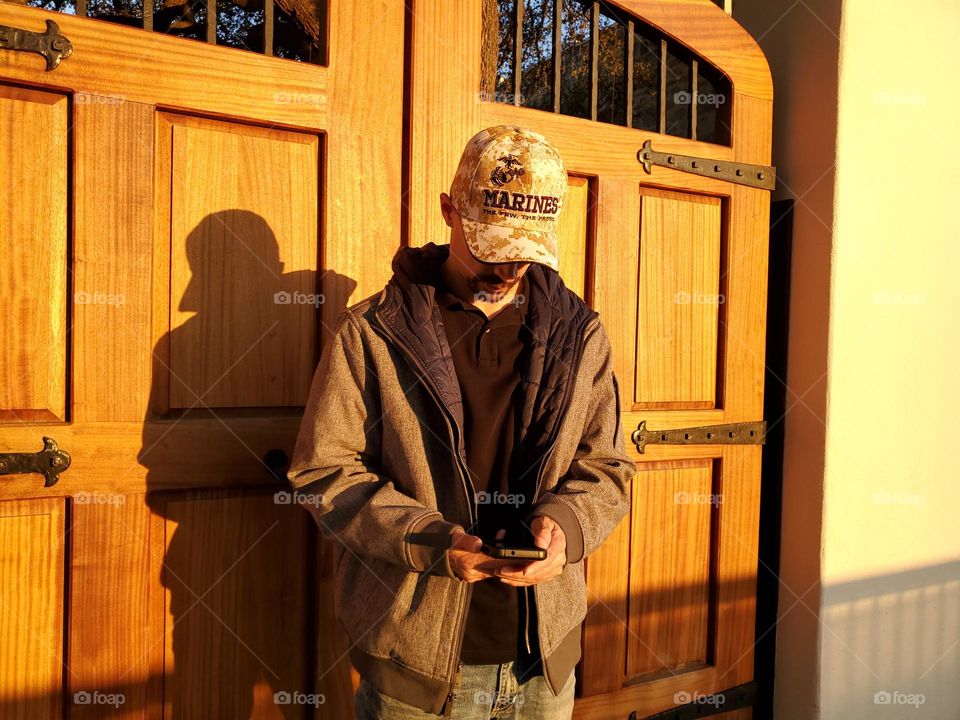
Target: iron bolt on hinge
point(758, 176)
point(51, 44)
point(745, 433)
point(49, 462)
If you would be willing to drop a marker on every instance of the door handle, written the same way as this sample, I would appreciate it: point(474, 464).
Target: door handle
point(51, 44)
point(49, 462)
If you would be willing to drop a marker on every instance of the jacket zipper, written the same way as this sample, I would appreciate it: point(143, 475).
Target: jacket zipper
point(464, 480)
point(567, 393)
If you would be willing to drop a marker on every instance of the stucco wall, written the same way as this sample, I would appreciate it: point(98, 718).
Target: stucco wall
point(872, 366)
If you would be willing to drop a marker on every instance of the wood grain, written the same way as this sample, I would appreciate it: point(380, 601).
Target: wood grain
point(678, 303)
point(32, 557)
point(33, 238)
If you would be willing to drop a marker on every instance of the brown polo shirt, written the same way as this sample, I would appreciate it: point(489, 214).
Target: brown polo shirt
point(486, 355)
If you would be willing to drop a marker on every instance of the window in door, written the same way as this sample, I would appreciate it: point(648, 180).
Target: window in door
point(590, 59)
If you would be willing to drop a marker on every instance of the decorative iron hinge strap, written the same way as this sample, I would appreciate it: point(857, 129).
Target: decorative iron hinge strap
point(745, 433)
point(49, 462)
point(758, 176)
point(734, 698)
point(51, 44)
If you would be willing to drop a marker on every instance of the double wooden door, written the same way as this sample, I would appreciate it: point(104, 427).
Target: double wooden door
point(180, 224)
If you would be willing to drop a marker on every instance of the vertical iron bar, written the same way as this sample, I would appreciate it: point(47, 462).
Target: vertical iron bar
point(629, 70)
point(268, 27)
point(594, 57)
point(663, 86)
point(693, 99)
point(81, 8)
point(212, 22)
point(557, 54)
point(518, 53)
point(148, 15)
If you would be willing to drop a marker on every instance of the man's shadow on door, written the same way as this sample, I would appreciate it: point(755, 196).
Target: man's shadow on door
point(238, 564)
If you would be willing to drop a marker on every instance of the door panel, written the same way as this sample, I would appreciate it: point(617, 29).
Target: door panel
point(670, 581)
point(32, 553)
point(33, 276)
point(572, 229)
point(678, 301)
point(243, 243)
point(675, 264)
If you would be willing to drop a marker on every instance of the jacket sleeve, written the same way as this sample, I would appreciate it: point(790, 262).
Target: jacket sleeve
point(334, 467)
point(594, 494)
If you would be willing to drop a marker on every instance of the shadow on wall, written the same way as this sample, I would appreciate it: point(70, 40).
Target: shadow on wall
point(912, 617)
point(240, 604)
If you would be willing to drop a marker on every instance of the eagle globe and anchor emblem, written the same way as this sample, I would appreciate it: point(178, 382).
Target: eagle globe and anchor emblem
point(509, 170)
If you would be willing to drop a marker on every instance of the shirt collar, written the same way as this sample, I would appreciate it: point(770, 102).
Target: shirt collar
point(513, 313)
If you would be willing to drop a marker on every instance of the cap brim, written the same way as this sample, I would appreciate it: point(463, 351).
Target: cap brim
point(501, 244)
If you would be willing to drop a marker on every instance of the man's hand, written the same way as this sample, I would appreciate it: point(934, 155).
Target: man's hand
point(547, 535)
point(466, 560)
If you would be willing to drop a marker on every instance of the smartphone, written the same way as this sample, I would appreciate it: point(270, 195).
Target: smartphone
point(503, 552)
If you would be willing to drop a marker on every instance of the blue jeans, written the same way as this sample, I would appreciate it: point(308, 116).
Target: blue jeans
point(484, 692)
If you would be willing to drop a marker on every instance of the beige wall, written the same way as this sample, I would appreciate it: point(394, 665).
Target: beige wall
point(875, 302)
point(891, 541)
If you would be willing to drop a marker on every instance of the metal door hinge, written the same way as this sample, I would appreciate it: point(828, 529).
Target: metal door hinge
point(733, 698)
point(51, 44)
point(49, 462)
point(744, 433)
point(758, 176)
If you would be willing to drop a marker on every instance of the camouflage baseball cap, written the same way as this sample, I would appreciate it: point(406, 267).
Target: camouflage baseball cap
point(509, 190)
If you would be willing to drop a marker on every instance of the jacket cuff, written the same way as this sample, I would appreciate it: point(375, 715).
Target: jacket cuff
point(427, 543)
point(566, 518)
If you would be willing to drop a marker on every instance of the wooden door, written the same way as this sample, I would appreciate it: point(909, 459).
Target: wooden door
point(676, 265)
point(180, 222)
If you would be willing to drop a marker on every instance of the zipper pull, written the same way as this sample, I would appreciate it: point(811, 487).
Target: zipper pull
point(447, 709)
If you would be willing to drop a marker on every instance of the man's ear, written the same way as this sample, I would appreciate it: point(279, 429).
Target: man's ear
point(446, 209)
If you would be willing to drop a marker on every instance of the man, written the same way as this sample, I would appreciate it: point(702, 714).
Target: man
point(474, 396)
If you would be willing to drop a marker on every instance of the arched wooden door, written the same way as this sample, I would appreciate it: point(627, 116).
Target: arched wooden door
point(166, 207)
point(674, 262)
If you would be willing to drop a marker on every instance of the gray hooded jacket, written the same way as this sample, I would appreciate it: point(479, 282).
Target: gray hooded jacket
point(380, 451)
